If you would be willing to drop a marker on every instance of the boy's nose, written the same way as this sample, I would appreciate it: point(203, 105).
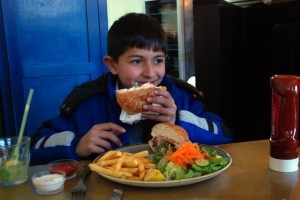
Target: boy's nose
point(148, 70)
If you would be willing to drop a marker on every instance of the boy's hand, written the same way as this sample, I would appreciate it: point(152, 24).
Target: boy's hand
point(166, 112)
point(97, 139)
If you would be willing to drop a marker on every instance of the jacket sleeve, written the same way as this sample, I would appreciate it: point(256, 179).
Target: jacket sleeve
point(205, 130)
point(202, 126)
point(52, 142)
point(58, 137)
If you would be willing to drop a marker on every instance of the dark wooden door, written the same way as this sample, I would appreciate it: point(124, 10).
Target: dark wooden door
point(50, 46)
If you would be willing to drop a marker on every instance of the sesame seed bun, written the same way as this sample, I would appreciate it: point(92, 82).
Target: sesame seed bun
point(132, 100)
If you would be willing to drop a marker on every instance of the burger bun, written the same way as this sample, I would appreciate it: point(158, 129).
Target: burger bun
point(133, 99)
point(167, 136)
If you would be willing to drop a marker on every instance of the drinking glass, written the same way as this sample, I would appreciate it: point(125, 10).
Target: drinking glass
point(14, 160)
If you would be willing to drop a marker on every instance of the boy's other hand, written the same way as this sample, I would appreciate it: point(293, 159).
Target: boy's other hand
point(98, 138)
point(166, 112)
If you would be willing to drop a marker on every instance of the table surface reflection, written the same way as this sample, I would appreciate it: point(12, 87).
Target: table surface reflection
point(249, 177)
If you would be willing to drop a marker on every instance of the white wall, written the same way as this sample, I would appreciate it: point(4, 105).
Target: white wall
point(117, 8)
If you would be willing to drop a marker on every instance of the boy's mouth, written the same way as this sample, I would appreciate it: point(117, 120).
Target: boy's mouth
point(139, 83)
point(142, 83)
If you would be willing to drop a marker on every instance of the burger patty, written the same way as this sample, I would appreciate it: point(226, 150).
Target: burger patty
point(162, 144)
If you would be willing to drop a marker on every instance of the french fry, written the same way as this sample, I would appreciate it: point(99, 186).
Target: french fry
point(107, 155)
point(130, 162)
point(127, 174)
point(141, 154)
point(116, 154)
point(103, 170)
point(150, 166)
point(119, 163)
point(142, 174)
point(141, 168)
point(141, 165)
point(124, 165)
point(138, 154)
point(145, 160)
point(129, 170)
point(108, 162)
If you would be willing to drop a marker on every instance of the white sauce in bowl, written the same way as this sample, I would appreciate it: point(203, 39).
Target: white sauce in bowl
point(49, 184)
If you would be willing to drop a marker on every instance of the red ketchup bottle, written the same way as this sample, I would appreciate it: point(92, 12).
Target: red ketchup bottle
point(284, 155)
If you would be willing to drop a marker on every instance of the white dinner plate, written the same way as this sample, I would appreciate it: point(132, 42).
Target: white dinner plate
point(171, 183)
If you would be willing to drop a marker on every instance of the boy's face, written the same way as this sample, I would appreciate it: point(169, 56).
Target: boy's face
point(138, 65)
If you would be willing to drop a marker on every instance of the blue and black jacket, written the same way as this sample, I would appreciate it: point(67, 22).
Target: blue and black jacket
point(95, 102)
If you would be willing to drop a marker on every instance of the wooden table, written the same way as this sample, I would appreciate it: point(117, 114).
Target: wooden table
point(249, 177)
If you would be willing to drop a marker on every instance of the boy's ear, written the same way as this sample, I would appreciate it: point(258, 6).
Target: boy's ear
point(110, 64)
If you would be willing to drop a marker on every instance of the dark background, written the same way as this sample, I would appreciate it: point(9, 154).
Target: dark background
point(237, 50)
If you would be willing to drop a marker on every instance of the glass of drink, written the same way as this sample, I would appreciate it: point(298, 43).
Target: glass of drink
point(14, 160)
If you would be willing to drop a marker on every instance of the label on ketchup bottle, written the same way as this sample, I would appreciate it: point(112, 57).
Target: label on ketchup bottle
point(275, 114)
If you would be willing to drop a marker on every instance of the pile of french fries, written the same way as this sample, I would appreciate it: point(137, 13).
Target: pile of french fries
point(124, 165)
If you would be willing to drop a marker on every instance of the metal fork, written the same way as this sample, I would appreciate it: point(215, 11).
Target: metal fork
point(80, 189)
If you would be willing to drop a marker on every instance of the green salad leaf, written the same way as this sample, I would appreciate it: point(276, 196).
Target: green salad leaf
point(201, 167)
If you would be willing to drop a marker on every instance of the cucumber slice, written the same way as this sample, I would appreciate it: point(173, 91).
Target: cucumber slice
point(202, 162)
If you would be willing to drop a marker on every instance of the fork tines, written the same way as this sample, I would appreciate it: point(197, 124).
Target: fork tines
point(79, 191)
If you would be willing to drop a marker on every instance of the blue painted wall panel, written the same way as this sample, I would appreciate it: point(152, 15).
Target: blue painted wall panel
point(49, 44)
point(51, 32)
point(43, 106)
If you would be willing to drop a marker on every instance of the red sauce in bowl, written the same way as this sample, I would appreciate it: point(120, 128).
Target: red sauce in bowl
point(69, 168)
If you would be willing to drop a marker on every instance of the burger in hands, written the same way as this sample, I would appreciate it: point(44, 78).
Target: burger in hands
point(167, 137)
point(133, 99)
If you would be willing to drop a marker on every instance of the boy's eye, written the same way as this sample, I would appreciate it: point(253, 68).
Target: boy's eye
point(159, 60)
point(136, 61)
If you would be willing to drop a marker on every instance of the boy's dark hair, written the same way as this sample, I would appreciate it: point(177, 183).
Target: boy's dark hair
point(135, 30)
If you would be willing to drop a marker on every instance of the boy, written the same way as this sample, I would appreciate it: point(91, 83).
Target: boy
point(89, 123)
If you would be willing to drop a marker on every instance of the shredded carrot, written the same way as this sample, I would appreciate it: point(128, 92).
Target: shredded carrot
point(186, 154)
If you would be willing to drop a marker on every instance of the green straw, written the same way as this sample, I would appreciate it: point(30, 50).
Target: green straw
point(15, 152)
point(27, 106)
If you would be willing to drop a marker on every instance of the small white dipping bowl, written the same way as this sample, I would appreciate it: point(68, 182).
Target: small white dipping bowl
point(46, 182)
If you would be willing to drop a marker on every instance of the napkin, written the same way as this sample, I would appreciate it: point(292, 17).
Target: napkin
point(130, 119)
